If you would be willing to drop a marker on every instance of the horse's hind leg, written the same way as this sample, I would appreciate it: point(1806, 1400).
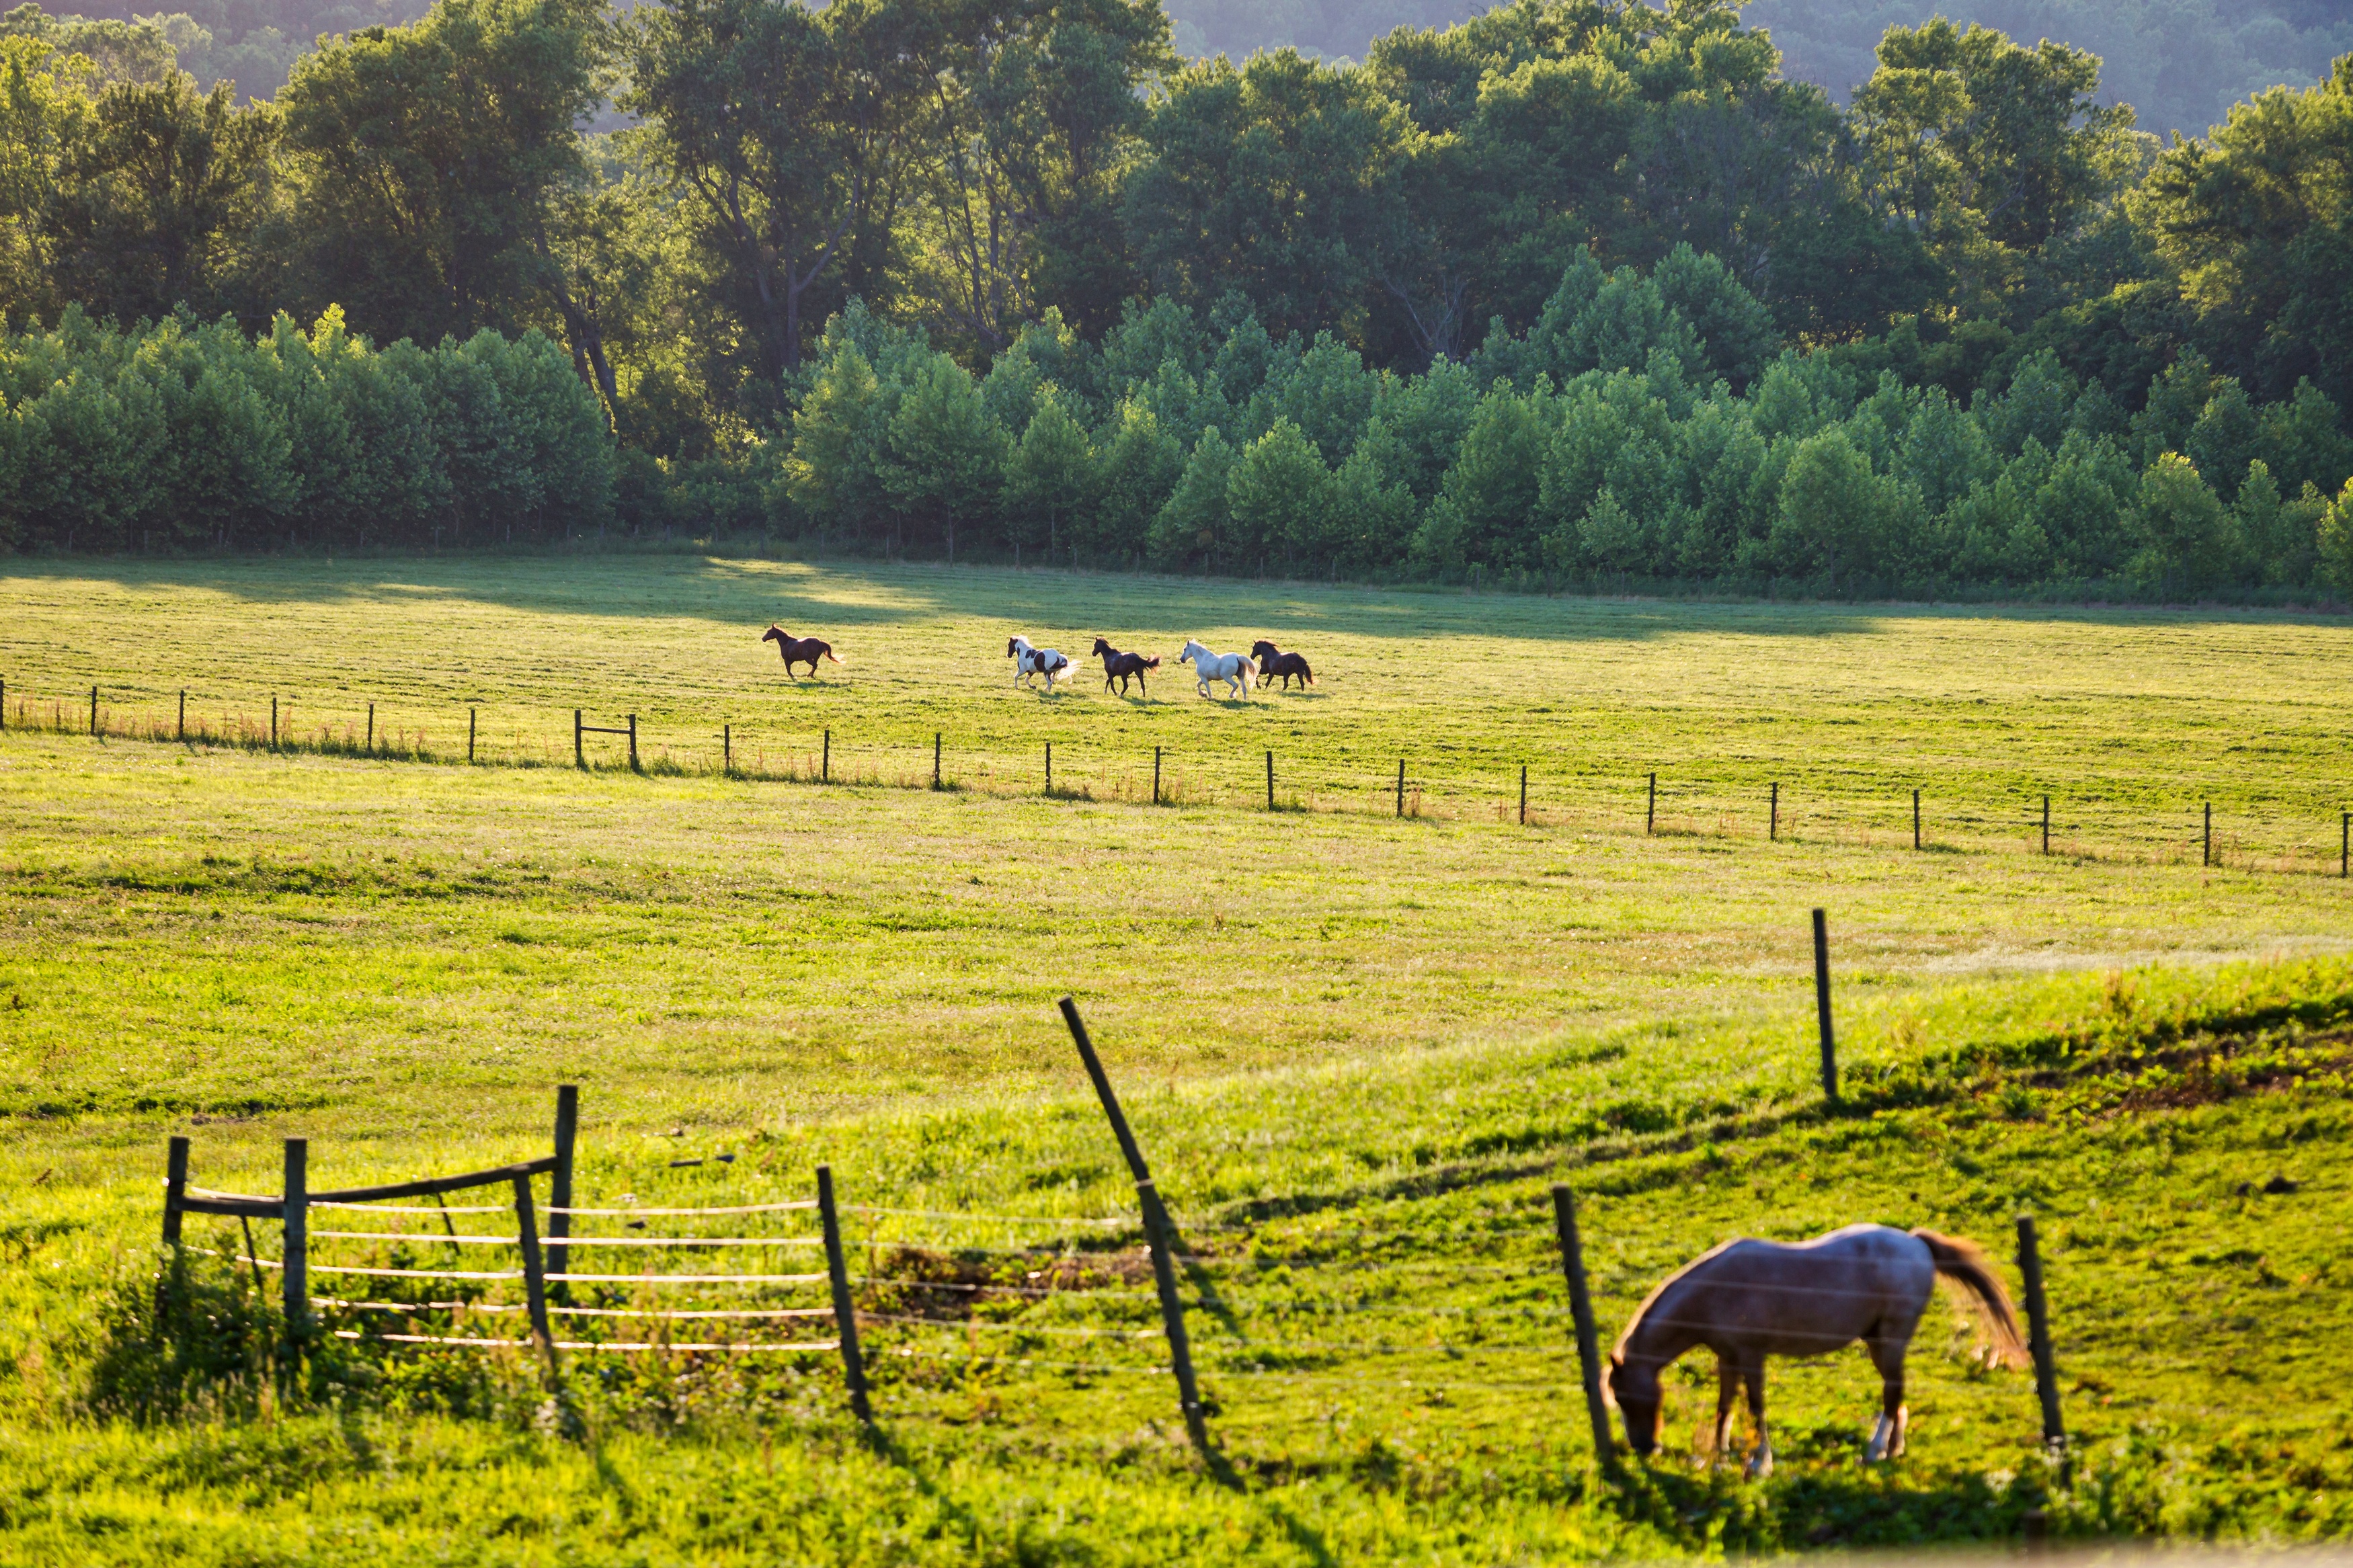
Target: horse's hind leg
point(1887, 1437)
point(1728, 1389)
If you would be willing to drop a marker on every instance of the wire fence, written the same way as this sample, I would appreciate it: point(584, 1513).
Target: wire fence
point(1996, 810)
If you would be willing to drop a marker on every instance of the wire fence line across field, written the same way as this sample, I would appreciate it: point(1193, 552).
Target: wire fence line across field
point(790, 1347)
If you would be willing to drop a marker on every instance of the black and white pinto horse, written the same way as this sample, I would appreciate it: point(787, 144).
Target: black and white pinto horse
point(1235, 669)
point(1029, 663)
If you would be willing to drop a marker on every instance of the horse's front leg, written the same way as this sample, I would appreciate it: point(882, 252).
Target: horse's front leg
point(1728, 1388)
point(1760, 1462)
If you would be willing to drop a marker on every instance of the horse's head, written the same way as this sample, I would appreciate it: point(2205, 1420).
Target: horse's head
point(1192, 651)
point(1101, 647)
point(775, 635)
point(1262, 649)
point(1015, 645)
point(1634, 1389)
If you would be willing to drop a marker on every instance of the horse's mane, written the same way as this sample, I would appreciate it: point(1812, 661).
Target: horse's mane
point(1633, 1323)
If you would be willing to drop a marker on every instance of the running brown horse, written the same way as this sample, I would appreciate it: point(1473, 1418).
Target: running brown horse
point(797, 650)
point(1748, 1300)
point(1118, 666)
point(1272, 661)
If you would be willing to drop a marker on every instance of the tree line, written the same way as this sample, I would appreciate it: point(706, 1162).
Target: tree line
point(1573, 291)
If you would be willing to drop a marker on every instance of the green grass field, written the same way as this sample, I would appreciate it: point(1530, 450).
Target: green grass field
point(1359, 1048)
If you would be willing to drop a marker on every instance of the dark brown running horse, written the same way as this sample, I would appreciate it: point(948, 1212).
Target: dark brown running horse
point(1748, 1300)
point(1272, 661)
point(799, 651)
point(1118, 666)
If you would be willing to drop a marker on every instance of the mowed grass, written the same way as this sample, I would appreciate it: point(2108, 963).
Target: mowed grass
point(1358, 1049)
point(2131, 721)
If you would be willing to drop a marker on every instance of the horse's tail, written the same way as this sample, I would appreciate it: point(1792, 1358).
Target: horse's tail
point(833, 655)
point(1964, 1262)
point(1152, 663)
point(1306, 674)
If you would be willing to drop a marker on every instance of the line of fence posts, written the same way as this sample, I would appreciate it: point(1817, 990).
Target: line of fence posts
point(1159, 1230)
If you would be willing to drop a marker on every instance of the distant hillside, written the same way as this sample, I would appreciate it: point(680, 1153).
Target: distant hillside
point(2179, 65)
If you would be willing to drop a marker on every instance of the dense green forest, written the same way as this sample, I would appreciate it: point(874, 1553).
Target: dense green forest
point(1572, 292)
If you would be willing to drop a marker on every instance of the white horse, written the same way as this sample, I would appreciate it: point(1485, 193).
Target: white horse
point(1029, 663)
point(1236, 671)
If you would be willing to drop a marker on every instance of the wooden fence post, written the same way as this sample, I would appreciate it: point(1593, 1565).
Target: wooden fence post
point(176, 1186)
point(1158, 1229)
point(2206, 855)
point(1401, 804)
point(727, 749)
point(1050, 767)
point(371, 730)
point(1523, 794)
point(2038, 1330)
point(633, 744)
point(1580, 1307)
point(1651, 809)
point(936, 757)
point(825, 758)
point(559, 1186)
point(1823, 1004)
point(1773, 814)
point(579, 757)
point(1156, 775)
point(2345, 844)
point(470, 734)
point(1915, 819)
point(535, 1274)
point(184, 713)
point(4, 705)
point(273, 724)
point(1270, 780)
point(845, 1312)
point(295, 1255)
point(2046, 825)
point(93, 710)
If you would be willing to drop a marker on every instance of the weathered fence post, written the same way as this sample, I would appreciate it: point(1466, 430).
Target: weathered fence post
point(470, 734)
point(535, 1274)
point(183, 714)
point(93, 710)
point(2206, 855)
point(633, 744)
point(1823, 1004)
point(2038, 1330)
point(1050, 768)
point(1400, 809)
point(2046, 825)
point(1523, 794)
point(1158, 1229)
point(936, 758)
point(2345, 844)
point(1156, 775)
point(273, 724)
point(371, 730)
point(295, 1255)
point(559, 1186)
point(845, 1312)
point(175, 1187)
point(579, 757)
point(825, 758)
point(727, 750)
point(1270, 780)
point(1580, 1307)
point(4, 705)
point(1915, 819)
point(1650, 808)
point(1773, 814)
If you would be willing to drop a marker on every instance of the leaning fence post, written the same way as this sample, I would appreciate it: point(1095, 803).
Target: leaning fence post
point(844, 1312)
point(2038, 1330)
point(559, 1186)
point(1157, 1229)
point(295, 1257)
point(1580, 1307)
point(1823, 1004)
point(534, 1276)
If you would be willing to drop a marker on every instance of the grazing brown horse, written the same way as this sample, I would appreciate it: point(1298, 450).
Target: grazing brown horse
point(1272, 661)
point(1748, 1300)
point(1118, 666)
point(799, 649)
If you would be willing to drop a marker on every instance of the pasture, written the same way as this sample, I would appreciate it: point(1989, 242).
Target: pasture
point(1358, 1046)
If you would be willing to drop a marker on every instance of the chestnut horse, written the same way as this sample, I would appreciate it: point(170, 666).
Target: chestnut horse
point(1748, 1300)
point(799, 649)
point(1118, 666)
point(1272, 661)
